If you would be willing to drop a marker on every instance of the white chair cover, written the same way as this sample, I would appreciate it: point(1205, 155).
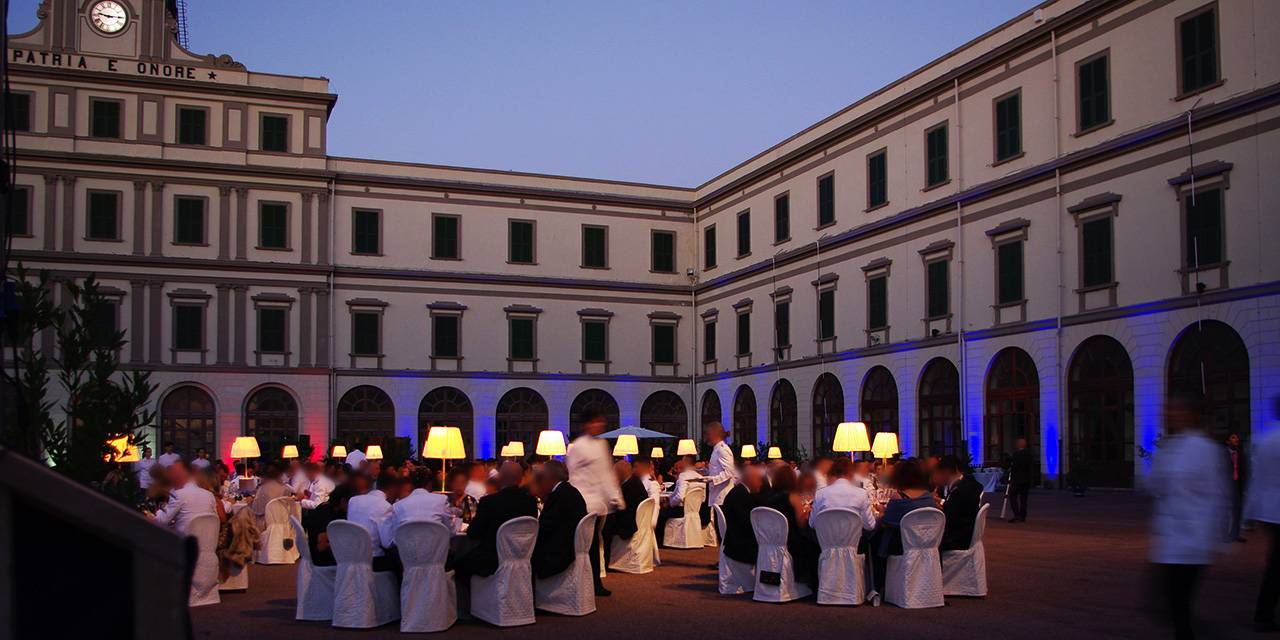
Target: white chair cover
point(315, 584)
point(735, 577)
point(770, 527)
point(571, 592)
point(204, 582)
point(505, 598)
point(237, 579)
point(278, 545)
point(428, 596)
point(914, 579)
point(640, 553)
point(964, 571)
point(841, 579)
point(362, 598)
point(685, 532)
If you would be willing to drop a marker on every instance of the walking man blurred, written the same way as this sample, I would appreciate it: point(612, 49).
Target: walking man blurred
point(1263, 507)
point(591, 473)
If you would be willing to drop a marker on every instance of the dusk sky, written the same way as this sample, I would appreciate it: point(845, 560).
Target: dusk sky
point(653, 91)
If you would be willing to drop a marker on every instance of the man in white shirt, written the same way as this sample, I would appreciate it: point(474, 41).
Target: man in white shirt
point(1263, 506)
point(476, 477)
point(298, 480)
point(355, 459)
point(142, 468)
point(316, 488)
point(591, 473)
point(842, 493)
point(369, 509)
point(419, 506)
point(721, 470)
point(685, 474)
point(821, 469)
point(644, 469)
point(201, 461)
point(167, 455)
point(186, 502)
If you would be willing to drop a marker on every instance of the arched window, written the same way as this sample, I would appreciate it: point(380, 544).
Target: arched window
point(828, 411)
point(591, 399)
point(664, 411)
point(939, 410)
point(366, 416)
point(188, 420)
point(447, 407)
point(782, 417)
point(271, 416)
point(521, 414)
point(1210, 358)
point(711, 411)
point(1013, 405)
point(744, 417)
point(879, 402)
point(1100, 413)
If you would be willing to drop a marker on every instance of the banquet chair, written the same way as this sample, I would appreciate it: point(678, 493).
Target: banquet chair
point(685, 532)
point(505, 598)
point(735, 577)
point(770, 527)
point(315, 584)
point(841, 575)
point(640, 553)
point(913, 580)
point(362, 598)
point(237, 579)
point(571, 592)
point(278, 545)
point(204, 581)
point(428, 596)
point(964, 571)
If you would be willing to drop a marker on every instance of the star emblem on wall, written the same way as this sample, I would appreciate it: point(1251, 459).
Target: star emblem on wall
point(213, 76)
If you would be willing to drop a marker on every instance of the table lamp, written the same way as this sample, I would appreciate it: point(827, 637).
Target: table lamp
point(656, 453)
point(551, 443)
point(245, 447)
point(373, 452)
point(748, 451)
point(851, 437)
point(290, 452)
point(687, 447)
point(627, 445)
point(885, 446)
point(442, 442)
point(122, 451)
point(517, 448)
point(339, 452)
point(775, 453)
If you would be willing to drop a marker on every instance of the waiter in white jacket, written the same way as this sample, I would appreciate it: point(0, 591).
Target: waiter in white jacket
point(721, 471)
point(1263, 506)
point(591, 473)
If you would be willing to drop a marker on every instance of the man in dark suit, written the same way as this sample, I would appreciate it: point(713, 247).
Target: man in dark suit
point(739, 538)
point(562, 509)
point(623, 523)
point(1024, 471)
point(1237, 464)
point(511, 501)
point(961, 497)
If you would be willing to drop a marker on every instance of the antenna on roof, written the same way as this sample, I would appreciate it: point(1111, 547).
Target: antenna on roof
point(180, 17)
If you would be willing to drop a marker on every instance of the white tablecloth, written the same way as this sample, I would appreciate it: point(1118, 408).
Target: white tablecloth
point(989, 479)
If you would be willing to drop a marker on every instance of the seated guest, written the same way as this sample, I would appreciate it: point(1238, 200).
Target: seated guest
point(186, 499)
point(491, 486)
point(316, 522)
point(863, 475)
point(739, 538)
point(643, 469)
point(822, 471)
point(842, 493)
point(388, 482)
point(421, 505)
point(315, 491)
point(510, 501)
point(562, 509)
point(911, 487)
point(369, 508)
point(463, 505)
point(961, 496)
point(296, 476)
point(269, 488)
point(206, 480)
point(475, 486)
point(685, 475)
point(356, 460)
point(623, 523)
point(788, 498)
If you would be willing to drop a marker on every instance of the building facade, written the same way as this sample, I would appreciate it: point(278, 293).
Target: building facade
point(1041, 234)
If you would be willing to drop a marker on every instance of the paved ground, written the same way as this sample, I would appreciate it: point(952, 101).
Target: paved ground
point(1077, 569)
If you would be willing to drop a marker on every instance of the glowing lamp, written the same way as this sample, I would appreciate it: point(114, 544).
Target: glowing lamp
point(245, 447)
point(775, 453)
point(551, 443)
point(886, 445)
point(626, 445)
point(290, 452)
point(444, 443)
point(656, 453)
point(122, 451)
point(687, 447)
point(748, 451)
point(339, 452)
point(373, 452)
point(851, 437)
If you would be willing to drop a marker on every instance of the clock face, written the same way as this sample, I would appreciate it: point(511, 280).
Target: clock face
point(108, 16)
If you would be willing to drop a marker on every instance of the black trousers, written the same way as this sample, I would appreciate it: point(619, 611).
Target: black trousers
point(1177, 583)
point(1237, 505)
point(1269, 594)
point(595, 553)
point(1018, 494)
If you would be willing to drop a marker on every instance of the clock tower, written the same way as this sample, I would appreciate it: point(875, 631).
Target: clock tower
point(140, 29)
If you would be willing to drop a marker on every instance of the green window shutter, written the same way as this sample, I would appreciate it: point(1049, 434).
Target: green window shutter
point(1199, 47)
point(192, 126)
point(594, 341)
point(939, 285)
point(1009, 127)
point(274, 135)
point(664, 344)
point(104, 215)
point(521, 338)
point(664, 252)
point(782, 324)
point(827, 314)
point(104, 119)
point(18, 111)
point(444, 237)
point(271, 331)
point(936, 145)
point(521, 250)
point(1010, 268)
point(188, 327)
point(594, 250)
point(877, 179)
point(273, 226)
point(744, 233)
point(1094, 89)
point(444, 336)
point(744, 334)
point(20, 218)
point(826, 200)
point(709, 341)
point(1204, 228)
point(366, 235)
point(365, 328)
point(878, 302)
point(781, 218)
point(1095, 252)
point(189, 221)
point(709, 248)
point(102, 324)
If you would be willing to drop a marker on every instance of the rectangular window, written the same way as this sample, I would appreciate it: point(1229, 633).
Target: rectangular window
point(275, 133)
point(595, 247)
point(188, 221)
point(877, 179)
point(365, 329)
point(521, 338)
point(782, 324)
point(520, 240)
point(664, 251)
point(1009, 277)
point(20, 211)
point(664, 344)
point(102, 324)
point(936, 155)
point(273, 226)
point(444, 336)
point(781, 219)
point(709, 341)
point(744, 233)
point(744, 334)
point(938, 282)
point(595, 341)
point(104, 118)
point(271, 331)
point(192, 125)
point(1095, 252)
point(1094, 91)
point(18, 111)
point(1198, 49)
point(104, 216)
point(1008, 126)
point(188, 327)
point(827, 314)
point(445, 243)
point(709, 248)
point(366, 232)
point(826, 200)
point(1204, 228)
point(878, 302)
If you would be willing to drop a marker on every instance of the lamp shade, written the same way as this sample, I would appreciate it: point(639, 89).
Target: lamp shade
point(748, 451)
point(626, 446)
point(687, 447)
point(122, 451)
point(373, 452)
point(550, 443)
point(290, 452)
point(339, 451)
point(513, 449)
point(886, 445)
point(850, 437)
point(245, 447)
point(775, 453)
point(444, 443)
point(656, 453)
